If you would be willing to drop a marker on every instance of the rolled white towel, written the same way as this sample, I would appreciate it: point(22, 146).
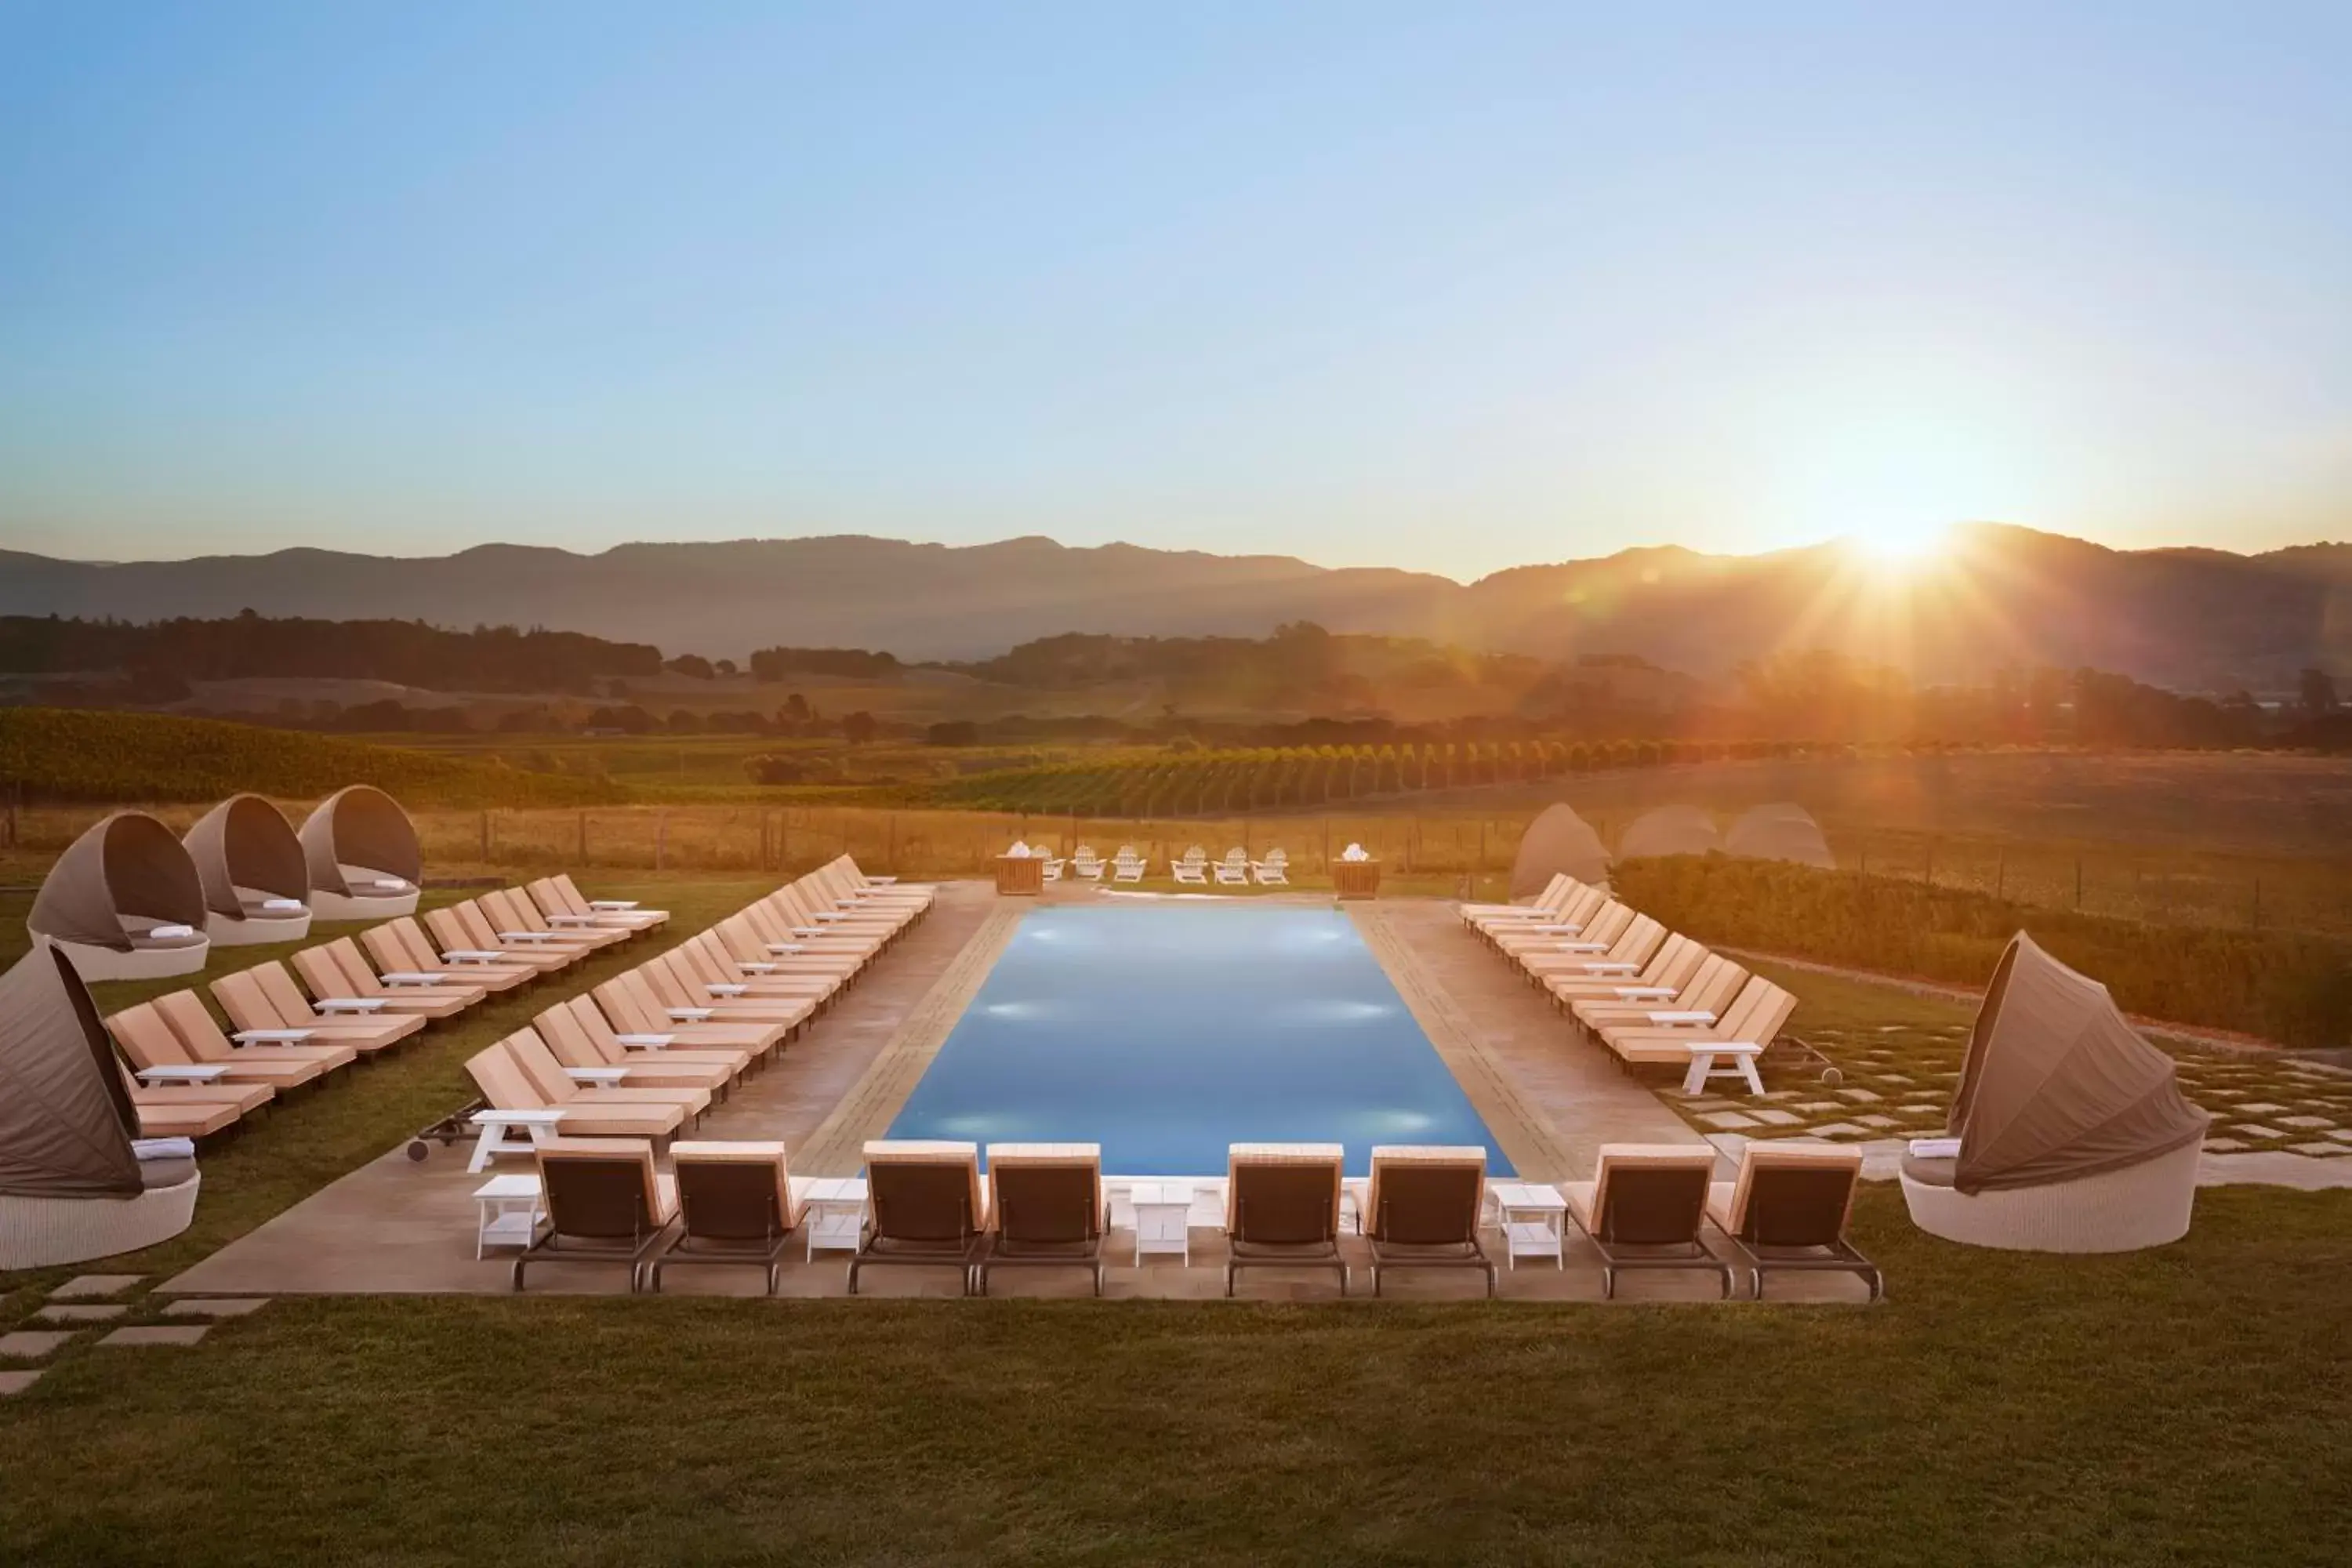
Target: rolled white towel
point(173, 930)
point(390, 885)
point(163, 1148)
point(283, 906)
point(1935, 1148)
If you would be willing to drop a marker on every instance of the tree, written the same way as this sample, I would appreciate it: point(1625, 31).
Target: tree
point(2318, 693)
point(953, 732)
point(857, 728)
point(692, 665)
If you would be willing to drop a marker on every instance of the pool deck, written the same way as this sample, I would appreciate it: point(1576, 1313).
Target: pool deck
point(400, 1227)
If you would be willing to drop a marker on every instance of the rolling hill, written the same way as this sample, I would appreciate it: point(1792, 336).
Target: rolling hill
point(2189, 618)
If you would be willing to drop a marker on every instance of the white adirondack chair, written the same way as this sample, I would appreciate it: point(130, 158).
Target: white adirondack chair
point(1083, 862)
point(1234, 870)
point(1273, 871)
point(1194, 867)
point(1127, 865)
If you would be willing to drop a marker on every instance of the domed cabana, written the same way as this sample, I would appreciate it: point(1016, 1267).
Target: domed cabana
point(365, 863)
point(1670, 830)
point(123, 902)
point(1556, 842)
point(1780, 832)
point(2070, 1132)
point(255, 881)
point(71, 1184)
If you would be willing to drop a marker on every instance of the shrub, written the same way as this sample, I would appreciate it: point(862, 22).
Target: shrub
point(2290, 987)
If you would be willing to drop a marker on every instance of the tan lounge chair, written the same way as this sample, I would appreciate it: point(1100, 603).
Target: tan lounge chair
point(1422, 1209)
point(515, 918)
point(400, 947)
point(657, 1045)
point(1752, 1022)
point(566, 912)
point(1048, 1200)
point(465, 929)
point(1642, 1209)
point(925, 1207)
point(1626, 957)
point(265, 1001)
point(148, 1042)
point(1709, 989)
point(560, 1086)
point(336, 971)
point(1788, 1209)
point(506, 1087)
point(568, 889)
point(635, 1011)
point(1282, 1208)
point(192, 1024)
point(1669, 970)
point(736, 1205)
point(605, 1203)
point(559, 1028)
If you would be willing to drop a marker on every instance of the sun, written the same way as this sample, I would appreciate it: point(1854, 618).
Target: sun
point(1899, 545)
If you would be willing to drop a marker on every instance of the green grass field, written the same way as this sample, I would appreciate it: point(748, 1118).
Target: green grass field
point(2183, 1405)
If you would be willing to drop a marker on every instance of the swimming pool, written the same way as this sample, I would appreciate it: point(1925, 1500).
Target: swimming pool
point(1166, 1032)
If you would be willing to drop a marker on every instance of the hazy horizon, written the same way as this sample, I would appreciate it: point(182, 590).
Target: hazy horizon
point(1364, 285)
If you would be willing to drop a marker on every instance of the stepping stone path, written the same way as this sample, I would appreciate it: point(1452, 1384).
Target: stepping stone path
point(2320, 1151)
point(78, 1303)
point(32, 1345)
point(1730, 1119)
point(91, 1314)
point(158, 1334)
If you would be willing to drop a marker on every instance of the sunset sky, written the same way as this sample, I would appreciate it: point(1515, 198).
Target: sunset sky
point(1447, 288)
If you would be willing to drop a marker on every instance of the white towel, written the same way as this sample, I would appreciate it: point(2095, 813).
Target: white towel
point(1935, 1148)
point(287, 905)
point(390, 885)
point(163, 1148)
point(171, 930)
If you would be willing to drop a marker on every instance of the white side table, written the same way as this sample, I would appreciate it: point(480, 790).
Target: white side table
point(1535, 1221)
point(507, 1213)
point(1163, 1223)
point(833, 1212)
point(1743, 1055)
point(497, 1124)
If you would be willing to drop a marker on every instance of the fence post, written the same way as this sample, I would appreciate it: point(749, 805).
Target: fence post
point(2078, 881)
point(2258, 903)
point(1999, 872)
point(1929, 876)
point(486, 837)
point(583, 838)
point(890, 855)
point(661, 838)
point(1327, 845)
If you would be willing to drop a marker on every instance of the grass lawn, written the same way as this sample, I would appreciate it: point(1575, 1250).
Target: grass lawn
point(2191, 1404)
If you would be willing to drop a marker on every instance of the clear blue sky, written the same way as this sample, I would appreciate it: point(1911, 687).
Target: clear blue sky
point(1362, 283)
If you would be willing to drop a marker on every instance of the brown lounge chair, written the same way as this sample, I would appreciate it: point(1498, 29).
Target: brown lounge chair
point(265, 1001)
point(1421, 1208)
point(605, 1203)
point(735, 1206)
point(925, 1206)
point(150, 1041)
point(506, 1087)
point(1282, 1208)
point(1048, 1199)
point(1788, 1210)
point(401, 946)
point(1642, 1209)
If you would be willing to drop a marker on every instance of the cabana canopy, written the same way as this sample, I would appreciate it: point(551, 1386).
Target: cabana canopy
point(244, 842)
point(2057, 1086)
point(364, 829)
point(1670, 830)
point(1780, 832)
point(1558, 841)
point(121, 880)
point(66, 1121)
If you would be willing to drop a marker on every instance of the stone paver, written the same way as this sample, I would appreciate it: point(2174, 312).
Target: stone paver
point(2256, 1130)
point(90, 1314)
point(84, 1286)
point(1859, 1095)
point(2305, 1122)
point(216, 1307)
point(1775, 1118)
point(158, 1334)
point(17, 1382)
point(2222, 1145)
point(2258, 1107)
point(32, 1345)
point(2320, 1151)
point(1727, 1119)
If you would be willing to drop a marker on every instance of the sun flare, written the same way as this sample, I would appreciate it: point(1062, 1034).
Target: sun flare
point(1902, 546)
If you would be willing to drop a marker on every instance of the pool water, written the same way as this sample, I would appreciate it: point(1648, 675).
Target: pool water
point(1166, 1032)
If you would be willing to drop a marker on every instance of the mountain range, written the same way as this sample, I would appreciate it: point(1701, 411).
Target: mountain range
point(2189, 618)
